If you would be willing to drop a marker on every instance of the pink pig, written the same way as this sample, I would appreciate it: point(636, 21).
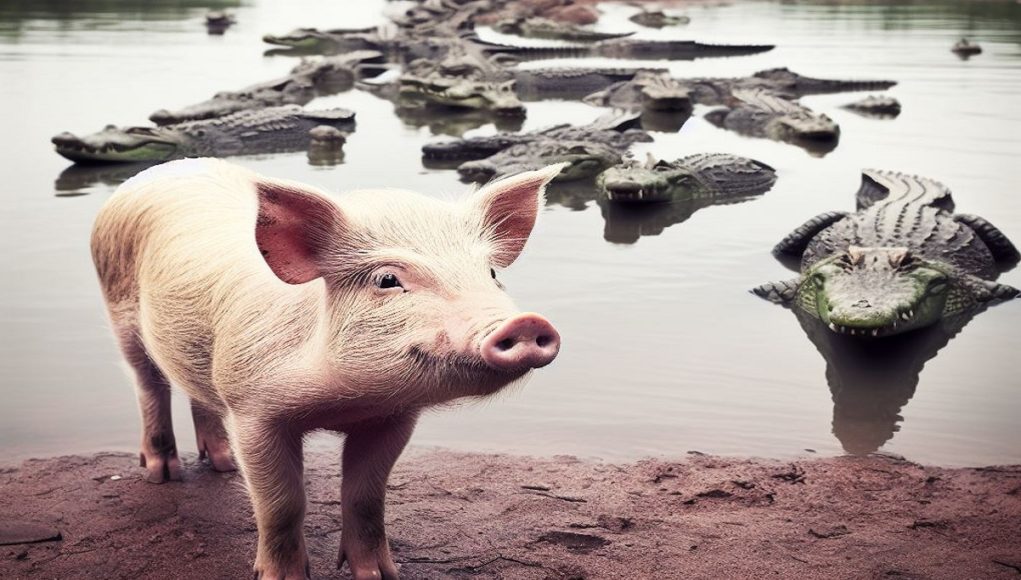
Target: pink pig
point(279, 311)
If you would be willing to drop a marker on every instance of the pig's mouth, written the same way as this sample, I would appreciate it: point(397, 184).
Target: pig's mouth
point(465, 369)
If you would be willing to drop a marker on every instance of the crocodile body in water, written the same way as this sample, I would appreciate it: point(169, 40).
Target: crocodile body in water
point(694, 176)
point(759, 113)
point(584, 160)
point(903, 261)
point(615, 129)
point(270, 130)
point(545, 28)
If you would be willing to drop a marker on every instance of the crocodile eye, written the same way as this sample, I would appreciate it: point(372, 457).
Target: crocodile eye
point(938, 285)
point(389, 281)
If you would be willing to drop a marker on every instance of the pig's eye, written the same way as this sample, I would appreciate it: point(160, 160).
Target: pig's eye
point(389, 281)
point(492, 273)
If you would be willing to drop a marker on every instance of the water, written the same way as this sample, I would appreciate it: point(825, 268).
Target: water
point(664, 349)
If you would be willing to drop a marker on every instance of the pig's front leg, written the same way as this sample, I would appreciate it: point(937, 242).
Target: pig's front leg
point(269, 455)
point(369, 453)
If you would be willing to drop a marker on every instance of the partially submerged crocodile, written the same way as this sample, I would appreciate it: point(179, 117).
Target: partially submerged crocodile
point(543, 28)
point(646, 90)
point(903, 261)
point(880, 106)
point(584, 160)
point(615, 129)
point(309, 79)
point(270, 130)
point(695, 176)
point(657, 19)
point(571, 82)
point(759, 113)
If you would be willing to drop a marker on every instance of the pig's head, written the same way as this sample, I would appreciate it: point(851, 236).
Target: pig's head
point(414, 307)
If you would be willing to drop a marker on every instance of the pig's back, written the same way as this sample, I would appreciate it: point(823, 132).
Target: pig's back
point(175, 252)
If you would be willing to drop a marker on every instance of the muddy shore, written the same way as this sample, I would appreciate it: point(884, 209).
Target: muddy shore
point(456, 515)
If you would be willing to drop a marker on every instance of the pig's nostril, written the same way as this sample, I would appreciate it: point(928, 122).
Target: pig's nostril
point(543, 340)
point(506, 344)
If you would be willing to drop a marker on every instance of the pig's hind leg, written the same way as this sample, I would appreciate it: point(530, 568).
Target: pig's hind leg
point(159, 448)
point(211, 437)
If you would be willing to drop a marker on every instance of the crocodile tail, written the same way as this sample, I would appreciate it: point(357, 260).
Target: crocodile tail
point(878, 185)
point(783, 292)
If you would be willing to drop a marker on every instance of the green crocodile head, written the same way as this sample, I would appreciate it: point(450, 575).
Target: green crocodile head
point(651, 182)
point(463, 93)
point(113, 144)
point(878, 291)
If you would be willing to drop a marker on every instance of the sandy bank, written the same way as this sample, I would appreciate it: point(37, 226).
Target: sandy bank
point(453, 515)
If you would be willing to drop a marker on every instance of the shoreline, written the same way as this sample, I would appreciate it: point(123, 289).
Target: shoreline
point(467, 515)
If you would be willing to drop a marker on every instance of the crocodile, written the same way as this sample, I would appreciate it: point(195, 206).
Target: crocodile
point(584, 160)
point(547, 29)
point(615, 129)
point(657, 19)
point(694, 176)
point(965, 48)
point(640, 49)
point(901, 262)
point(654, 91)
point(309, 79)
point(274, 129)
point(571, 83)
point(879, 106)
point(760, 113)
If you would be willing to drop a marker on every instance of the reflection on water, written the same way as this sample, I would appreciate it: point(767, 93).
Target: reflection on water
point(871, 381)
point(77, 177)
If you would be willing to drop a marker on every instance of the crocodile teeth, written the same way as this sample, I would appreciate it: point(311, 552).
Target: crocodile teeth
point(905, 316)
point(911, 313)
point(875, 332)
point(833, 327)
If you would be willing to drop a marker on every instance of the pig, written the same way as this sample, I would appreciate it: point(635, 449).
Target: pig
point(280, 310)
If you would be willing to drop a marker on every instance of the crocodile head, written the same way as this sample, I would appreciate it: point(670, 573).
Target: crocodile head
point(581, 161)
point(660, 92)
point(302, 38)
point(877, 291)
point(808, 126)
point(653, 181)
point(463, 93)
point(113, 144)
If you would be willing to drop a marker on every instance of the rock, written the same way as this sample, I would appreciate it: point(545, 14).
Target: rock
point(16, 532)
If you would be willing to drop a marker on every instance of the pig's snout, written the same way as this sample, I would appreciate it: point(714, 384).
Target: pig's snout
point(526, 341)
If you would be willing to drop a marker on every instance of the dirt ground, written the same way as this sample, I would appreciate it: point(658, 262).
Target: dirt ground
point(454, 515)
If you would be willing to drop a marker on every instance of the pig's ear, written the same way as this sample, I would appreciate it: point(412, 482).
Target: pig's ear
point(508, 208)
point(295, 228)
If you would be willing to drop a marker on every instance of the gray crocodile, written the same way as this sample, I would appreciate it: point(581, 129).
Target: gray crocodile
point(672, 49)
point(571, 83)
point(584, 160)
point(879, 106)
point(695, 176)
point(657, 19)
point(902, 262)
point(654, 91)
point(309, 79)
point(270, 130)
point(544, 28)
point(615, 129)
point(315, 41)
point(759, 113)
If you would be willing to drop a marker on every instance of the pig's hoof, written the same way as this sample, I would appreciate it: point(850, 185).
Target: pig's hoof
point(281, 573)
point(161, 467)
point(220, 459)
point(369, 565)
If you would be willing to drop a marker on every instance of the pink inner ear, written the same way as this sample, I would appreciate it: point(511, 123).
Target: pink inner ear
point(286, 231)
point(511, 211)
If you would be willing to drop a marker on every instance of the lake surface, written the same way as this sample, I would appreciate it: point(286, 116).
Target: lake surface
point(664, 349)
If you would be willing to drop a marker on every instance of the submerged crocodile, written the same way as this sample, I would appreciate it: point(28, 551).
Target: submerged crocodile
point(657, 19)
point(584, 160)
point(903, 261)
point(694, 176)
point(879, 106)
point(759, 113)
point(616, 129)
point(544, 28)
point(655, 91)
point(270, 130)
point(309, 79)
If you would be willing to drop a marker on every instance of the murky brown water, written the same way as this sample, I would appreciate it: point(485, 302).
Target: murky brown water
point(664, 349)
